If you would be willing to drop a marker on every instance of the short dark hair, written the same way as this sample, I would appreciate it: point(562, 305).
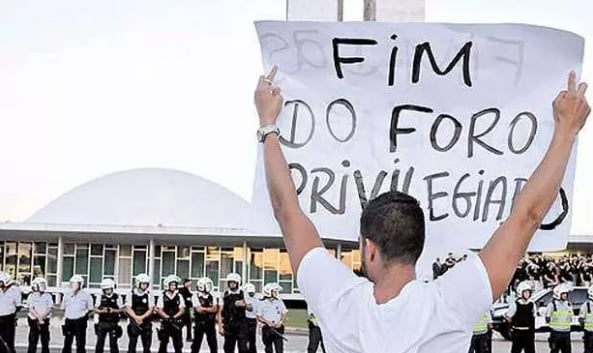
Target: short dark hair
point(394, 221)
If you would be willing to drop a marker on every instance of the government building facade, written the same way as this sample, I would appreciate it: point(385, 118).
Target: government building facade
point(156, 221)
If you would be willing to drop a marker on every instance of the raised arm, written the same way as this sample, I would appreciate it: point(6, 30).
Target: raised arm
point(299, 233)
point(509, 243)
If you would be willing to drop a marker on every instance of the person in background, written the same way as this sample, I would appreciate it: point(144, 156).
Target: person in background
point(170, 307)
point(315, 337)
point(108, 307)
point(205, 313)
point(187, 295)
point(521, 315)
point(40, 304)
point(250, 313)
point(436, 268)
point(586, 321)
point(559, 316)
point(77, 304)
point(232, 322)
point(9, 304)
point(140, 309)
point(481, 341)
point(272, 313)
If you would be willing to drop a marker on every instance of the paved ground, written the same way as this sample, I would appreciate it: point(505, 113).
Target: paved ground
point(297, 341)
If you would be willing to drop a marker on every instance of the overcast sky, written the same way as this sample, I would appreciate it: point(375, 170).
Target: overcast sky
point(91, 88)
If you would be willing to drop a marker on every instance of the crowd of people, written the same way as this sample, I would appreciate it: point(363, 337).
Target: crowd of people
point(547, 272)
point(236, 314)
point(440, 268)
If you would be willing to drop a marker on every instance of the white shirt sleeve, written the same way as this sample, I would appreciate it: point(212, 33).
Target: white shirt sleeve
point(97, 302)
point(120, 302)
point(181, 302)
point(90, 302)
point(550, 309)
point(283, 309)
point(194, 300)
point(159, 302)
point(64, 300)
point(512, 310)
point(466, 291)
point(321, 277)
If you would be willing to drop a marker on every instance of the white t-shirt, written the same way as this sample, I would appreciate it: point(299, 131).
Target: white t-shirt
point(424, 318)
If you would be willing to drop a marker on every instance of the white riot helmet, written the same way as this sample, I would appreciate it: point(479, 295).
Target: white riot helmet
point(249, 288)
point(590, 292)
point(204, 285)
point(271, 290)
point(559, 290)
point(522, 287)
point(5, 278)
point(107, 284)
point(234, 277)
point(77, 279)
point(142, 278)
point(170, 279)
point(39, 284)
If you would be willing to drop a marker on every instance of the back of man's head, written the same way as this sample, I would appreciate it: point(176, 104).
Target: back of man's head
point(394, 222)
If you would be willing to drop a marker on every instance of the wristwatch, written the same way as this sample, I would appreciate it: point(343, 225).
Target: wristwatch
point(265, 130)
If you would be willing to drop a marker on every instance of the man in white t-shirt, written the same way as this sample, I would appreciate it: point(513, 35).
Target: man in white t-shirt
point(391, 311)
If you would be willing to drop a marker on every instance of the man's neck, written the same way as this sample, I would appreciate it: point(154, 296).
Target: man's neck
point(391, 282)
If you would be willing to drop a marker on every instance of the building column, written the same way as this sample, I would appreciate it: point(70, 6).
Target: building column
point(60, 261)
point(151, 258)
point(399, 11)
point(245, 263)
point(339, 252)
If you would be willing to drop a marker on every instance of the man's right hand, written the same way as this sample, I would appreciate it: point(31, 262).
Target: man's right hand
point(571, 108)
point(221, 330)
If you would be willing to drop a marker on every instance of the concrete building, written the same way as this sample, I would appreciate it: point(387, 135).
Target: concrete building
point(156, 221)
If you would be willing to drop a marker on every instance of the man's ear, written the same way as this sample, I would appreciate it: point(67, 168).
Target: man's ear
point(370, 249)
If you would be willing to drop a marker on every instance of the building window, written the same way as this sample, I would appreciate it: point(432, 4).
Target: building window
point(351, 259)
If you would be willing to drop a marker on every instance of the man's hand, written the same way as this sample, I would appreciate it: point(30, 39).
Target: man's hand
point(571, 108)
point(268, 100)
point(240, 303)
point(221, 330)
point(509, 243)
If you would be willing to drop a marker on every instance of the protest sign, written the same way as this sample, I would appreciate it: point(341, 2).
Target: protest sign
point(456, 115)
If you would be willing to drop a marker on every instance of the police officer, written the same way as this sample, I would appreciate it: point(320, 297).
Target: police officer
point(250, 313)
point(108, 307)
point(586, 320)
point(170, 307)
point(187, 295)
point(13, 290)
point(521, 315)
point(9, 304)
point(315, 338)
point(77, 304)
point(271, 312)
point(482, 335)
point(559, 316)
point(139, 309)
point(204, 315)
point(232, 322)
point(40, 304)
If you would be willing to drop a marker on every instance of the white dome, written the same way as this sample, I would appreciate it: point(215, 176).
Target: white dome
point(147, 197)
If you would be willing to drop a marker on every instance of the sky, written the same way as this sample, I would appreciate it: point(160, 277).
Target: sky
point(92, 88)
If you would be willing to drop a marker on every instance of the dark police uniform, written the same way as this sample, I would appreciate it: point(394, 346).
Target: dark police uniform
point(42, 304)
point(108, 323)
point(187, 295)
point(171, 328)
point(522, 315)
point(10, 302)
point(139, 302)
point(315, 338)
point(234, 321)
point(205, 323)
point(76, 306)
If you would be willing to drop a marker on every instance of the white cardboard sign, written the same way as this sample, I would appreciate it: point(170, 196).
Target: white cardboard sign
point(456, 115)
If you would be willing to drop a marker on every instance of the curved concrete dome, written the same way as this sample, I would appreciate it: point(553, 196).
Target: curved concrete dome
point(147, 197)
